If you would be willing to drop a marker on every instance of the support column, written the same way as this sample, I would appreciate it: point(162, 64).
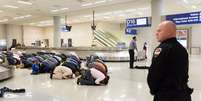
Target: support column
point(7, 36)
point(22, 28)
point(156, 8)
point(57, 34)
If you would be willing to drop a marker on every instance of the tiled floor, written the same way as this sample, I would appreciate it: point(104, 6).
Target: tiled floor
point(124, 85)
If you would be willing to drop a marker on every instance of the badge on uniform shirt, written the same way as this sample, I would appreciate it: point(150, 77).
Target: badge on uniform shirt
point(157, 52)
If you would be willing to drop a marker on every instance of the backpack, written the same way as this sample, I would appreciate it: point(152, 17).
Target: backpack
point(86, 78)
point(91, 59)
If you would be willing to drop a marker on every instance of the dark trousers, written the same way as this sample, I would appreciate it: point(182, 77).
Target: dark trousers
point(173, 96)
point(131, 54)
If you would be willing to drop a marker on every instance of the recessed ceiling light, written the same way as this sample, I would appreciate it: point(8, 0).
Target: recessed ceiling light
point(10, 6)
point(106, 17)
point(55, 10)
point(26, 16)
point(186, 1)
point(87, 16)
point(32, 23)
point(194, 7)
point(4, 20)
point(140, 13)
point(75, 20)
point(45, 22)
point(144, 8)
point(64, 8)
point(107, 13)
point(122, 15)
point(43, 25)
point(98, 2)
point(118, 12)
point(130, 10)
point(22, 17)
point(24, 2)
point(88, 4)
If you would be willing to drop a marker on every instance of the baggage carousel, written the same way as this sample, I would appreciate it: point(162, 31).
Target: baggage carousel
point(6, 72)
point(107, 53)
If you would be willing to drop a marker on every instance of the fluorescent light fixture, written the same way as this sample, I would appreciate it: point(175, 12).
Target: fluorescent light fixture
point(55, 10)
point(122, 15)
point(22, 17)
point(4, 20)
point(75, 20)
point(26, 16)
point(99, 14)
point(144, 8)
point(130, 10)
point(64, 8)
point(88, 4)
point(140, 13)
point(32, 23)
point(186, 1)
point(45, 22)
point(24, 2)
point(118, 12)
point(87, 16)
point(107, 13)
point(43, 25)
point(98, 2)
point(106, 17)
point(10, 6)
point(194, 7)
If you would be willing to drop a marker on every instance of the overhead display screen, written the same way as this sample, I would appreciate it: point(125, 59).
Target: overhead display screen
point(137, 22)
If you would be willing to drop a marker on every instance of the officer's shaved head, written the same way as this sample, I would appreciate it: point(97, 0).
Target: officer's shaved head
point(165, 30)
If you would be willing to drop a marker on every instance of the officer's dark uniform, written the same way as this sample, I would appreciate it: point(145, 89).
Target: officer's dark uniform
point(168, 73)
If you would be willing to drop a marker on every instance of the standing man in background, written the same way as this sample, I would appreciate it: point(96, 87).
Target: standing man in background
point(132, 47)
point(145, 49)
point(168, 73)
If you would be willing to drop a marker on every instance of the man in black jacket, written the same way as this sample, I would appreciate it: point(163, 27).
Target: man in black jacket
point(168, 73)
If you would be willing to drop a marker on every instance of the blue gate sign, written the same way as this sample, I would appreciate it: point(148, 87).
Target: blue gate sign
point(185, 18)
point(130, 31)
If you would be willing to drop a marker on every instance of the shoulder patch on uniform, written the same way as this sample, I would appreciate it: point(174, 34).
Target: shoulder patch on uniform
point(157, 51)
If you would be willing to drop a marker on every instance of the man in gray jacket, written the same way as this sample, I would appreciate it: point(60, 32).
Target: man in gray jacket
point(132, 48)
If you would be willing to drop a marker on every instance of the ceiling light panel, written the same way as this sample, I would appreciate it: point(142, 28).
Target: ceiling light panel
point(94, 2)
point(87, 4)
point(58, 10)
point(4, 20)
point(10, 6)
point(24, 2)
point(22, 17)
point(98, 2)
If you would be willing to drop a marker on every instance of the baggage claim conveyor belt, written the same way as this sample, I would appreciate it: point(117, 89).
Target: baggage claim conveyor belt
point(108, 54)
point(6, 72)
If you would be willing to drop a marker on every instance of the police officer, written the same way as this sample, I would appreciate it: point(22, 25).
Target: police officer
point(132, 47)
point(168, 73)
